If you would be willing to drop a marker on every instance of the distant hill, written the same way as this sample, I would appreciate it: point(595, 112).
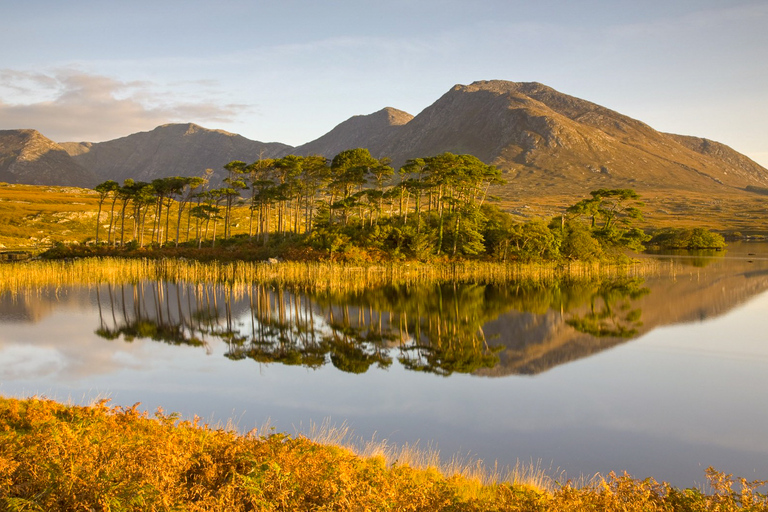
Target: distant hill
point(373, 131)
point(549, 142)
point(169, 150)
point(28, 157)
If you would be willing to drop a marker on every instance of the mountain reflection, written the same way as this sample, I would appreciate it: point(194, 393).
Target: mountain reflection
point(428, 328)
point(525, 327)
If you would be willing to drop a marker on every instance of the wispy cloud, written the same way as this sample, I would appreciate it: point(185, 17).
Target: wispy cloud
point(71, 105)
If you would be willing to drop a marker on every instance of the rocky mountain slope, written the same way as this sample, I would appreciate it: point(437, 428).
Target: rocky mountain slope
point(169, 150)
point(28, 157)
point(548, 141)
point(373, 131)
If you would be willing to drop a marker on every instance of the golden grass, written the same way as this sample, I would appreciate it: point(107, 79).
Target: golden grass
point(531, 474)
point(34, 217)
point(67, 458)
point(728, 212)
point(308, 276)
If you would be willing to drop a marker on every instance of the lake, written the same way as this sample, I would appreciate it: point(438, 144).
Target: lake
point(660, 377)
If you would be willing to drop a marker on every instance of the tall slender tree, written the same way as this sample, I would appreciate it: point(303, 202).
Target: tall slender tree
point(104, 189)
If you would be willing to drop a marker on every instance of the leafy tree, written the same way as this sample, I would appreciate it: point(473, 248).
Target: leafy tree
point(125, 193)
point(105, 189)
point(612, 214)
point(316, 175)
point(349, 170)
point(579, 244)
point(235, 183)
point(185, 194)
point(498, 230)
point(260, 182)
point(533, 240)
point(288, 171)
point(687, 238)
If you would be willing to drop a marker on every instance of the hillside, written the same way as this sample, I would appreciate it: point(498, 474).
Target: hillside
point(169, 150)
point(26, 156)
point(372, 131)
point(549, 142)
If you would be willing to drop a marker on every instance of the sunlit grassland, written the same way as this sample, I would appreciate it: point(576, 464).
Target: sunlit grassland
point(34, 217)
point(58, 457)
point(738, 211)
point(307, 276)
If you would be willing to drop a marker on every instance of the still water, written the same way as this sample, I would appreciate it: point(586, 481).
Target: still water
point(662, 376)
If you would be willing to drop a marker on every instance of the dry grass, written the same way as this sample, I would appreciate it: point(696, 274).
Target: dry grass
point(726, 213)
point(67, 458)
point(307, 276)
point(34, 217)
point(532, 474)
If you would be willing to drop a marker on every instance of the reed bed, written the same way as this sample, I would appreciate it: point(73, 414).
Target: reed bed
point(306, 276)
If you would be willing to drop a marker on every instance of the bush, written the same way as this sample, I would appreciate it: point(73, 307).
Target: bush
point(687, 238)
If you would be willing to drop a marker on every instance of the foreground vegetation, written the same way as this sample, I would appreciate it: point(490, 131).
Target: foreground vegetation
point(57, 457)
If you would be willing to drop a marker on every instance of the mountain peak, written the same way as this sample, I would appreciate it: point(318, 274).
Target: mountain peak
point(26, 156)
point(393, 116)
point(370, 131)
point(190, 129)
point(177, 149)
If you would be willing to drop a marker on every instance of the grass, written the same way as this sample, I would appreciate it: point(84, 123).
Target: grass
point(64, 457)
point(35, 217)
point(306, 276)
point(727, 213)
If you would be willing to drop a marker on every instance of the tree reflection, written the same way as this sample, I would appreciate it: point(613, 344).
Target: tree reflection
point(434, 328)
point(610, 313)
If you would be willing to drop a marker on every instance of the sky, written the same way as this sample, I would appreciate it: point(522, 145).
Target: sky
point(290, 71)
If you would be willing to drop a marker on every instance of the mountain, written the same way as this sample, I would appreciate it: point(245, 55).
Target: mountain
point(169, 150)
point(372, 131)
point(28, 157)
point(547, 141)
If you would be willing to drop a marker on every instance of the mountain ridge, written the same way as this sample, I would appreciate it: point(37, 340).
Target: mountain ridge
point(27, 156)
point(184, 149)
point(543, 141)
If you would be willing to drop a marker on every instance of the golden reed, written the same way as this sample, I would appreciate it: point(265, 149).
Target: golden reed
point(308, 276)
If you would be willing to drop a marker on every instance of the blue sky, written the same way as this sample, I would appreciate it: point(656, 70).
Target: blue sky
point(290, 71)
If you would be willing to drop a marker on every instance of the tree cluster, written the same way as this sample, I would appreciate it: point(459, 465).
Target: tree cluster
point(356, 207)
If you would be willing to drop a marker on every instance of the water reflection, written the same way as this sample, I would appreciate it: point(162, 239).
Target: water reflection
point(696, 258)
point(602, 399)
point(437, 329)
point(525, 327)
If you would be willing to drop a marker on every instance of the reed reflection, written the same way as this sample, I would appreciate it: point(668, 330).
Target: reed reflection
point(428, 328)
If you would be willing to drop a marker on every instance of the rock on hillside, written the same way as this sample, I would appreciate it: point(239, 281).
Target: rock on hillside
point(28, 157)
point(169, 150)
point(372, 131)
